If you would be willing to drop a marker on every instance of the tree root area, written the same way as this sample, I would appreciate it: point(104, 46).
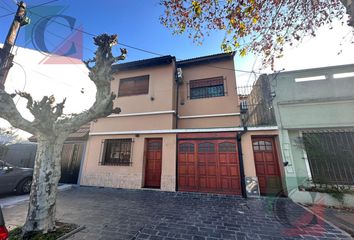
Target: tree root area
point(61, 230)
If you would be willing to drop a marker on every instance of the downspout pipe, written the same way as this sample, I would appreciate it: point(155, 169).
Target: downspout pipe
point(177, 103)
point(240, 157)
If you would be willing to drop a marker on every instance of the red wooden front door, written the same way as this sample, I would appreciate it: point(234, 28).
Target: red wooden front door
point(208, 166)
point(267, 165)
point(153, 155)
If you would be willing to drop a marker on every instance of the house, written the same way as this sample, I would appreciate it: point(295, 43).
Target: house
point(179, 130)
point(314, 111)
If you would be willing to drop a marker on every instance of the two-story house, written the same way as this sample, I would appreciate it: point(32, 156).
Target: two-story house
point(179, 130)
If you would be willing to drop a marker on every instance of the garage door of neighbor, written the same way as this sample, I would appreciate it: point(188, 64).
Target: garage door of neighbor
point(210, 166)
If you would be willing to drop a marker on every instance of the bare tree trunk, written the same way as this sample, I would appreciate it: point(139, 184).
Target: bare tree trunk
point(52, 127)
point(41, 212)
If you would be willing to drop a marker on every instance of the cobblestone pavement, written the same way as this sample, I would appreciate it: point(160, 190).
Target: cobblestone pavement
point(141, 214)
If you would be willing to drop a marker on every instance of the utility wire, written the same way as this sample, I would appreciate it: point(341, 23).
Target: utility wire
point(120, 43)
point(94, 35)
point(4, 8)
point(130, 46)
point(25, 74)
point(7, 6)
point(39, 5)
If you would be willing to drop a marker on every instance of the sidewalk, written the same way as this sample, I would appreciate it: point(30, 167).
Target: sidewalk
point(342, 218)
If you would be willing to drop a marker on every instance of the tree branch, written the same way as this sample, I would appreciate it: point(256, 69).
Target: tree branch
point(9, 112)
point(101, 75)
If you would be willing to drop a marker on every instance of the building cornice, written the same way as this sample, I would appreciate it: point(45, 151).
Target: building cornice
point(209, 115)
point(189, 130)
point(142, 114)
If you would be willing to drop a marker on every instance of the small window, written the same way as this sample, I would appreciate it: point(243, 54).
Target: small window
point(206, 147)
point(206, 88)
point(117, 152)
point(154, 146)
point(262, 146)
point(133, 86)
point(227, 147)
point(186, 148)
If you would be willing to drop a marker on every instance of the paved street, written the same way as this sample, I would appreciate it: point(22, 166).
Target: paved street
point(343, 218)
point(141, 214)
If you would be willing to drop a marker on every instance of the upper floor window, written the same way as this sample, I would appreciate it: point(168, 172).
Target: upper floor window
point(133, 86)
point(206, 88)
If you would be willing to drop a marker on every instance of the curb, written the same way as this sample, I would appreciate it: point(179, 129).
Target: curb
point(324, 220)
point(69, 234)
point(14, 200)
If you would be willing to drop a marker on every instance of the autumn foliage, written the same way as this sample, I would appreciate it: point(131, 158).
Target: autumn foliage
point(251, 25)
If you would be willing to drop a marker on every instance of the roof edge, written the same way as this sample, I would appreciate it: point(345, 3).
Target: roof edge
point(167, 59)
point(209, 58)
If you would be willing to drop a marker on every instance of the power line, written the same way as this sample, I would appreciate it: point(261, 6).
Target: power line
point(25, 83)
point(8, 7)
point(130, 46)
point(4, 8)
point(120, 43)
point(39, 5)
point(94, 35)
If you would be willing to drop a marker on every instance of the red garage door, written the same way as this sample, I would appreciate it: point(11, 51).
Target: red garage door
point(208, 166)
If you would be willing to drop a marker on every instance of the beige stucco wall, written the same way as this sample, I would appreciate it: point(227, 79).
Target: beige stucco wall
point(209, 122)
point(161, 87)
point(94, 174)
point(133, 123)
point(207, 106)
point(159, 99)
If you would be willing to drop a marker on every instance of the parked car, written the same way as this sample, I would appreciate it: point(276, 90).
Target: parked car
point(15, 179)
point(4, 234)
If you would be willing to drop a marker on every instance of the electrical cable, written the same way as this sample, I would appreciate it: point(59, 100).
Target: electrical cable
point(130, 46)
point(7, 6)
point(25, 74)
point(39, 5)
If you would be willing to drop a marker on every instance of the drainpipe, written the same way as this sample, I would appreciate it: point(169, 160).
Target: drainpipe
point(176, 187)
point(177, 103)
point(240, 157)
point(177, 96)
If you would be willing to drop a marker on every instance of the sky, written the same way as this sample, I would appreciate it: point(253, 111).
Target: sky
point(137, 24)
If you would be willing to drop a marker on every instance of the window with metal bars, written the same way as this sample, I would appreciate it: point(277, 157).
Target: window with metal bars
point(331, 156)
point(207, 88)
point(117, 152)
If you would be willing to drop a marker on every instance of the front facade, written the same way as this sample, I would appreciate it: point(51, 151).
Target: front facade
point(314, 110)
point(179, 130)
